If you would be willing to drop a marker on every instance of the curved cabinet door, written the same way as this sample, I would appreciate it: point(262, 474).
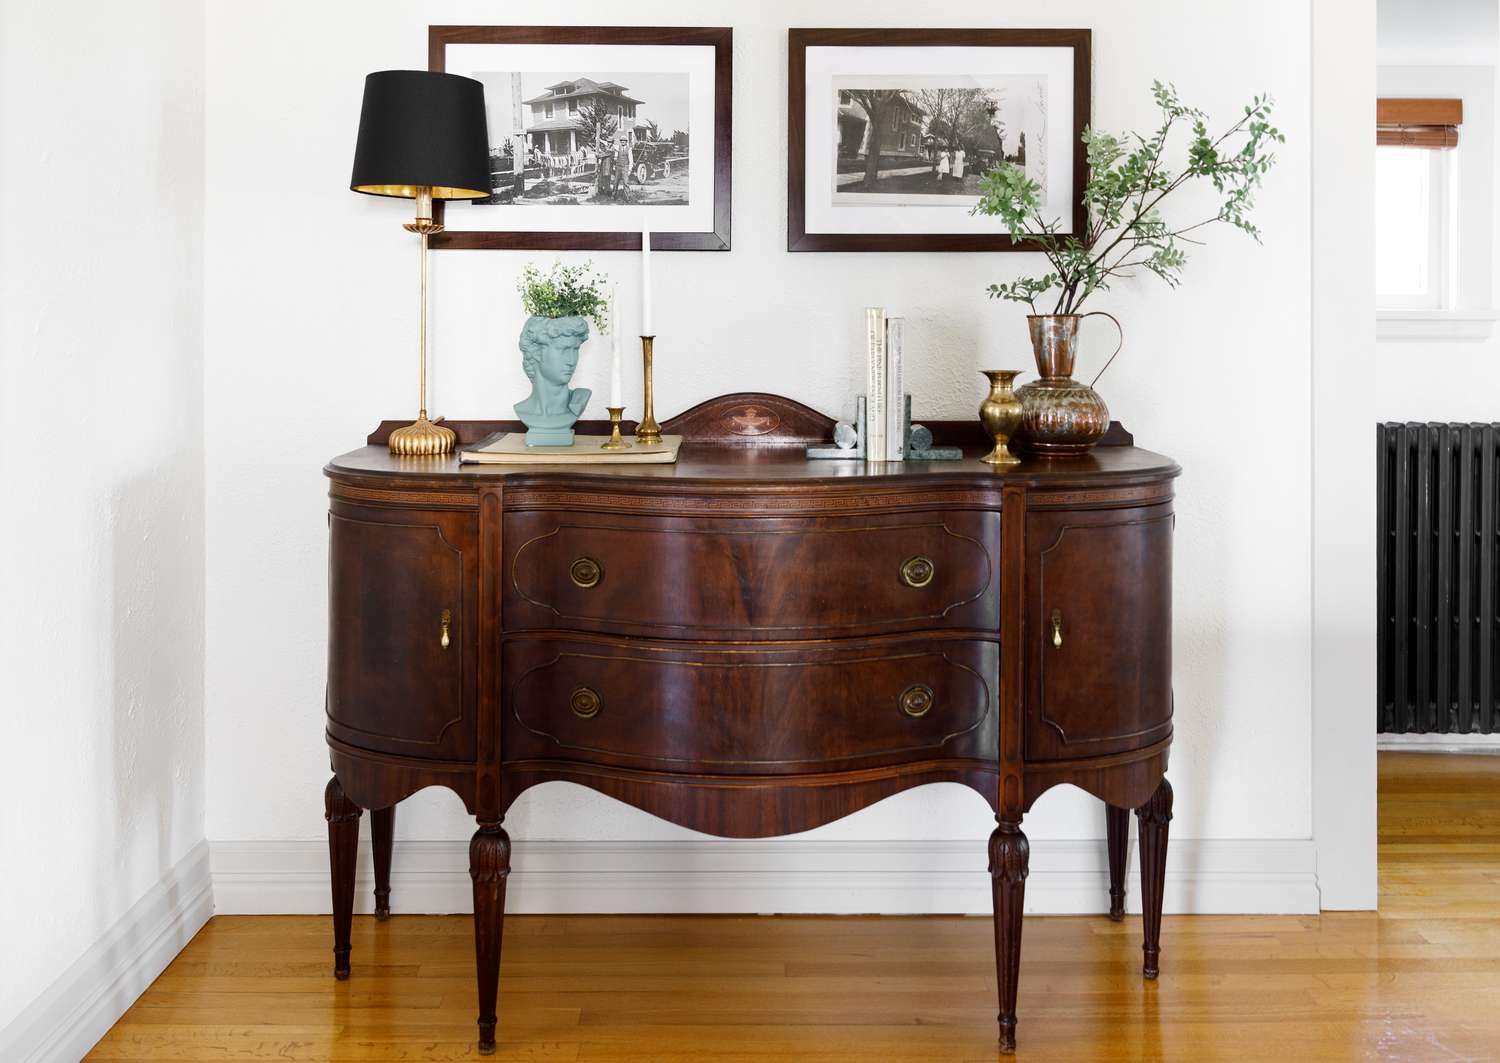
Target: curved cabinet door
point(393, 686)
point(1099, 631)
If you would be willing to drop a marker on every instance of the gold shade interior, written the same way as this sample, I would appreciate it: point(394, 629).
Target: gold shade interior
point(410, 191)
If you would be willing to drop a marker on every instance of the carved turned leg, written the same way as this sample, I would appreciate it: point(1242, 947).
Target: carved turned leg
point(382, 837)
point(343, 848)
point(489, 866)
point(1010, 855)
point(1117, 823)
point(1153, 818)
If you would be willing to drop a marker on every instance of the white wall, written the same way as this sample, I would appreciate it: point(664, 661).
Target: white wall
point(1452, 30)
point(1343, 329)
point(311, 303)
point(101, 455)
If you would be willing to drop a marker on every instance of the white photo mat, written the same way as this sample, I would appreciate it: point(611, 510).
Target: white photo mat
point(829, 68)
point(696, 61)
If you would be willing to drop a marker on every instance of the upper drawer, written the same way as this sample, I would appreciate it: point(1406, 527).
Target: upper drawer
point(751, 578)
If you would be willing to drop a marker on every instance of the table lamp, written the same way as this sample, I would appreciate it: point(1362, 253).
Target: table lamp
point(422, 136)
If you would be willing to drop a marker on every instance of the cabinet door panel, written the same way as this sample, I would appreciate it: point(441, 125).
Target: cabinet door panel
point(1099, 626)
point(392, 684)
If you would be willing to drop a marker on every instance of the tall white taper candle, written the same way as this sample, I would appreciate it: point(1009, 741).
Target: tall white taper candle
point(614, 347)
point(646, 281)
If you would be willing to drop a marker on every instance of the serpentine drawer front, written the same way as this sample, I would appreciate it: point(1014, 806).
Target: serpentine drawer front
point(742, 709)
point(751, 578)
point(750, 644)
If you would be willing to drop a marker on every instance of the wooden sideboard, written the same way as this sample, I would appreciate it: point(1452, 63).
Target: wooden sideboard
point(749, 644)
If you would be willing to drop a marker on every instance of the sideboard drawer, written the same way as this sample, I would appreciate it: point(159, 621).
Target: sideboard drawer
point(749, 710)
point(751, 578)
point(402, 631)
point(1099, 622)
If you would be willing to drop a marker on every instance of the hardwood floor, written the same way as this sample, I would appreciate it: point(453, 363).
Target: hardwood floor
point(1417, 982)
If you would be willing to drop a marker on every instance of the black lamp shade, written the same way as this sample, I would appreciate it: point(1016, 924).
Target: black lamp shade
point(418, 128)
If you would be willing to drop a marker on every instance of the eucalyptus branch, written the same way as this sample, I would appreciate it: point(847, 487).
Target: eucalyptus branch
point(1127, 184)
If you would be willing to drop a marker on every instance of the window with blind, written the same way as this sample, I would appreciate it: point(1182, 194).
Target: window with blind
point(1415, 176)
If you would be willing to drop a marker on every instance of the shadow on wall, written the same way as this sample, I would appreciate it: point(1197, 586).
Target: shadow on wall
point(156, 631)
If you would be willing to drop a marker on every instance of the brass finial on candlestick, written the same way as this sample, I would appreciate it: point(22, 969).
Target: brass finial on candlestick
point(648, 432)
point(615, 442)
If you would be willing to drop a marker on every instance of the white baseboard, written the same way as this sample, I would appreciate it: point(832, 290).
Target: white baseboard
point(834, 877)
point(1438, 743)
point(79, 1008)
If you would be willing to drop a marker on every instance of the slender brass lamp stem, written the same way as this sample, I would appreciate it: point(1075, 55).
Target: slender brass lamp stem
point(424, 211)
point(423, 437)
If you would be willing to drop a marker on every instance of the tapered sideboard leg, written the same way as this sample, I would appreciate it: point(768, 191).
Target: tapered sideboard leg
point(1153, 818)
point(489, 866)
point(382, 839)
point(1010, 855)
point(343, 848)
point(1117, 824)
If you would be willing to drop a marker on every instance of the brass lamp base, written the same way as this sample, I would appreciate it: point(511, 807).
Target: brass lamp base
point(423, 437)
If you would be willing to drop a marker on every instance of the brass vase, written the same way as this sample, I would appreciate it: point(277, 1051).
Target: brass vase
point(1000, 413)
point(1061, 415)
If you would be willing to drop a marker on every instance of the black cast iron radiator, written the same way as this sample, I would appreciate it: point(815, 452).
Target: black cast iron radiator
point(1439, 560)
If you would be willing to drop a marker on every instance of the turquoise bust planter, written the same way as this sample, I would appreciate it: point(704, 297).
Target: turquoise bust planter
point(549, 355)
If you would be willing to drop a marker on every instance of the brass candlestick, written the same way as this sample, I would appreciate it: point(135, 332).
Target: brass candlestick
point(648, 432)
point(1000, 413)
point(423, 436)
point(615, 442)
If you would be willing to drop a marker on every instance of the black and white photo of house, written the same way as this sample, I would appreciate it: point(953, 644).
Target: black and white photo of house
point(909, 139)
point(587, 138)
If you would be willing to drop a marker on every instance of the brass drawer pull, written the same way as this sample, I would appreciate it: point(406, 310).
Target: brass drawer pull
point(1057, 629)
point(446, 619)
point(916, 700)
point(917, 571)
point(586, 572)
point(585, 702)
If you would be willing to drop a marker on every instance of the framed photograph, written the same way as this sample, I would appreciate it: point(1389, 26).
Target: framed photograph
point(596, 132)
point(890, 130)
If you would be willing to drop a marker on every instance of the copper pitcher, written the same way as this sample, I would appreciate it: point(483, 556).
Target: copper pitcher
point(1061, 416)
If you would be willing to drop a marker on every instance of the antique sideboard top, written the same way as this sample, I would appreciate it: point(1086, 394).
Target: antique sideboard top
point(755, 438)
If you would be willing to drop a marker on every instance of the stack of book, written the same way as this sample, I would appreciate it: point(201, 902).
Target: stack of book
point(885, 386)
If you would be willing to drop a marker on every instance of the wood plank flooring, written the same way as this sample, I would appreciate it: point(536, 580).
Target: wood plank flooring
point(1420, 981)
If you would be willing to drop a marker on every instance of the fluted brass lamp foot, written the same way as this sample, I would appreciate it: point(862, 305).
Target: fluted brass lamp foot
point(423, 437)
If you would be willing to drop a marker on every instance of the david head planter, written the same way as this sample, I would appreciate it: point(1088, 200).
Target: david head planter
point(549, 355)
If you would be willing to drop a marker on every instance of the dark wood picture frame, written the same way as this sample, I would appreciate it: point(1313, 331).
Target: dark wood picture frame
point(799, 40)
point(720, 38)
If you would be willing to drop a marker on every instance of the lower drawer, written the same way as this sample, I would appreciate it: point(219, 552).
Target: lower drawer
point(755, 710)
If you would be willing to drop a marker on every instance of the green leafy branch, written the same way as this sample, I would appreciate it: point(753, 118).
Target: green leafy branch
point(1128, 180)
point(565, 291)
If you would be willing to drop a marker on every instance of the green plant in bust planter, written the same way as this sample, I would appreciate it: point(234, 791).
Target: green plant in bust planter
point(1125, 233)
point(560, 304)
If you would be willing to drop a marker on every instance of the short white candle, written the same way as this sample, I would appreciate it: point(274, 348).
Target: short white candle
point(646, 282)
point(614, 346)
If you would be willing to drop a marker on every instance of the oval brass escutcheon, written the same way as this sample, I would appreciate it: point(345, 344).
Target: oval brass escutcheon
point(585, 702)
point(586, 572)
point(917, 571)
point(916, 700)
